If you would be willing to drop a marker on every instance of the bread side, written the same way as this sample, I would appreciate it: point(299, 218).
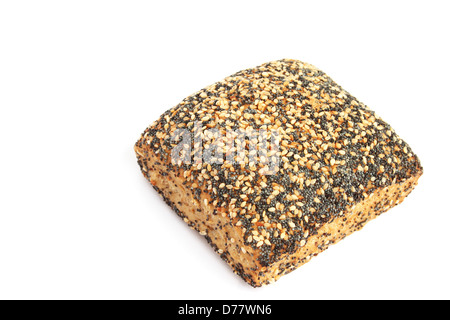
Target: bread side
point(339, 166)
point(227, 239)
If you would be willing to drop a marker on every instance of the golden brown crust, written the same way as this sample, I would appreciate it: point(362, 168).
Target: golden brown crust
point(340, 166)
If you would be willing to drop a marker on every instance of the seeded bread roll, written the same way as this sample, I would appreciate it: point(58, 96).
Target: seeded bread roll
point(335, 166)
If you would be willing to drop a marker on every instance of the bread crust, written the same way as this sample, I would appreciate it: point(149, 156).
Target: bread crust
point(341, 166)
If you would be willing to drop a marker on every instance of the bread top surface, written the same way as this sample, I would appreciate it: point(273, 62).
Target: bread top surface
point(331, 152)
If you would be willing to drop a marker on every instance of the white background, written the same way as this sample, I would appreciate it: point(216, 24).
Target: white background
point(80, 81)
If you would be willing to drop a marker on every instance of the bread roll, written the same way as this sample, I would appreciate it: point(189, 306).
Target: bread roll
point(274, 164)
